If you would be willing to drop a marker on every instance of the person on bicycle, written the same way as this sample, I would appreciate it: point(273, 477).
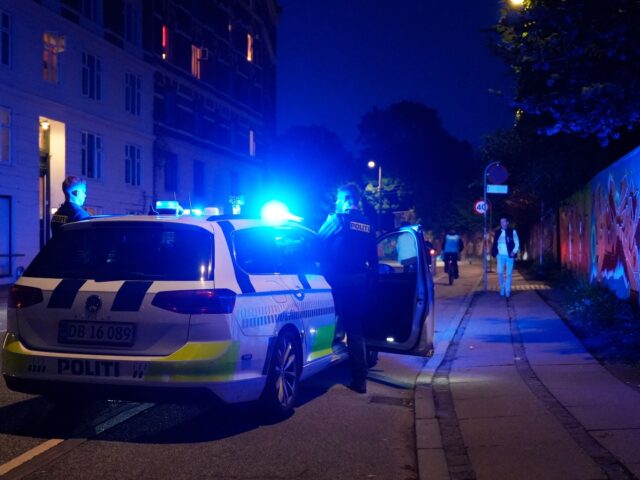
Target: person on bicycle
point(452, 245)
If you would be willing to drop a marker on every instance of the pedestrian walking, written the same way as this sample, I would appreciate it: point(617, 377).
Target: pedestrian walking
point(505, 248)
point(75, 194)
point(347, 247)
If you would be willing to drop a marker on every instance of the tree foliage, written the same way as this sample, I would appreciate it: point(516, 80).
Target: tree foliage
point(410, 143)
point(307, 164)
point(576, 64)
point(544, 170)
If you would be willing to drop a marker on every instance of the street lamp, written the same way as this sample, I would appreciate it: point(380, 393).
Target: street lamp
point(516, 3)
point(372, 164)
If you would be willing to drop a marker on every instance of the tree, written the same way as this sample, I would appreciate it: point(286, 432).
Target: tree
point(410, 143)
point(544, 170)
point(307, 164)
point(575, 64)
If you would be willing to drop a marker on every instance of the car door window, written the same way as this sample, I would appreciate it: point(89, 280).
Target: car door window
point(271, 250)
point(398, 253)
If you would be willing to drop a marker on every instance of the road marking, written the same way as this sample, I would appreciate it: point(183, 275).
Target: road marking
point(29, 455)
point(32, 460)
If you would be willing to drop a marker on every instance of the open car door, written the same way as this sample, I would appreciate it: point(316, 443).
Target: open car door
point(402, 314)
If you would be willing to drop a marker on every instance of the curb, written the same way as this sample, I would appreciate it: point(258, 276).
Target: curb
point(431, 460)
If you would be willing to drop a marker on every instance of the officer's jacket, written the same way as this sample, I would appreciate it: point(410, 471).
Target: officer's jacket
point(347, 245)
point(67, 213)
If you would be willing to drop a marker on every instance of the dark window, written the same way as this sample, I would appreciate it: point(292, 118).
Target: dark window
point(269, 250)
point(132, 23)
point(5, 39)
point(91, 155)
point(198, 178)
point(90, 9)
point(91, 76)
point(132, 93)
point(132, 164)
point(126, 251)
point(5, 134)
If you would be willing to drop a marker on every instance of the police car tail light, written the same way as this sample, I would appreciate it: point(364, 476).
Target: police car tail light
point(21, 296)
point(196, 302)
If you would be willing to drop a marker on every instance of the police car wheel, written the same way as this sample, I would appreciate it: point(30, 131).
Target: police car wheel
point(284, 375)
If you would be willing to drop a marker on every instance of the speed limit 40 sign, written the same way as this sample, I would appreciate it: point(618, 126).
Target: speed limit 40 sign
point(480, 207)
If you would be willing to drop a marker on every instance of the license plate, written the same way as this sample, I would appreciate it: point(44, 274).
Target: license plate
point(96, 333)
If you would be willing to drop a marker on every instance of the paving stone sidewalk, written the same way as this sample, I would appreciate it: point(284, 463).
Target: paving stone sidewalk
point(527, 400)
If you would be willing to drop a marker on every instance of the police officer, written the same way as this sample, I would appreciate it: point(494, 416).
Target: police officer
point(350, 264)
point(75, 193)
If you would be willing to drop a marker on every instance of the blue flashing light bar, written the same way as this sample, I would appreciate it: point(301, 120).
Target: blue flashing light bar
point(168, 207)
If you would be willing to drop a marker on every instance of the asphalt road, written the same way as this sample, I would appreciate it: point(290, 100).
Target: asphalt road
point(334, 433)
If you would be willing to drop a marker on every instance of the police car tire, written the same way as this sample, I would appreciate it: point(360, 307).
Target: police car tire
point(283, 379)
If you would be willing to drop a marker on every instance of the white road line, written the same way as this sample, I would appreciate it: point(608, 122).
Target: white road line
point(54, 442)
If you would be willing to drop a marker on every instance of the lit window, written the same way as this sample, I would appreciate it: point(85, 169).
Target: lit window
point(132, 164)
point(5, 39)
point(196, 57)
point(249, 48)
point(53, 45)
point(91, 155)
point(165, 42)
point(132, 93)
point(91, 76)
point(131, 23)
point(5, 134)
point(252, 143)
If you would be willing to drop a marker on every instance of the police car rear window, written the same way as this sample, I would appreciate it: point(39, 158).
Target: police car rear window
point(105, 251)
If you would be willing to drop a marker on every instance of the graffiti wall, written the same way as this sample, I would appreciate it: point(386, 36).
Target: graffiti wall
point(599, 227)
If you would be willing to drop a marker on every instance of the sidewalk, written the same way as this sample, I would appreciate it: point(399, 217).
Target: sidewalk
point(527, 401)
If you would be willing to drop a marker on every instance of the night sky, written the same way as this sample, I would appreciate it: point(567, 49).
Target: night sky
point(337, 59)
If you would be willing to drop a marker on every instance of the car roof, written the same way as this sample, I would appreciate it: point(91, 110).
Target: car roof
point(201, 221)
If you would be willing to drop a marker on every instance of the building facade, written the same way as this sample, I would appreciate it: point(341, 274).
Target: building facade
point(146, 99)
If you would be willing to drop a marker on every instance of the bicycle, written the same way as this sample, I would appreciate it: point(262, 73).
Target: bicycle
point(451, 266)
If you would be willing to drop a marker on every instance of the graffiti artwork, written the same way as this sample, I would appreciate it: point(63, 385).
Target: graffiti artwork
point(599, 228)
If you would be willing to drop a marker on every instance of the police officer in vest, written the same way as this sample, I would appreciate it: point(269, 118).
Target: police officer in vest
point(452, 245)
point(75, 193)
point(505, 248)
point(347, 245)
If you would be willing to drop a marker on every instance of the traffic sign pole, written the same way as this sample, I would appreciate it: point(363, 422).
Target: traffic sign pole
point(484, 238)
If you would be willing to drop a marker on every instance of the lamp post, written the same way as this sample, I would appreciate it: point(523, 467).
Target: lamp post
point(484, 238)
point(516, 3)
point(372, 164)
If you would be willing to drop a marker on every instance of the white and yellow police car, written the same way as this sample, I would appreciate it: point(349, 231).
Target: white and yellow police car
point(163, 306)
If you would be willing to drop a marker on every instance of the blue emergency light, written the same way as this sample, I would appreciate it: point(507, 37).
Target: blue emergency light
point(168, 207)
point(275, 212)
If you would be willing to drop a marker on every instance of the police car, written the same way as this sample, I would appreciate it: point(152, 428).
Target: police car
point(169, 305)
